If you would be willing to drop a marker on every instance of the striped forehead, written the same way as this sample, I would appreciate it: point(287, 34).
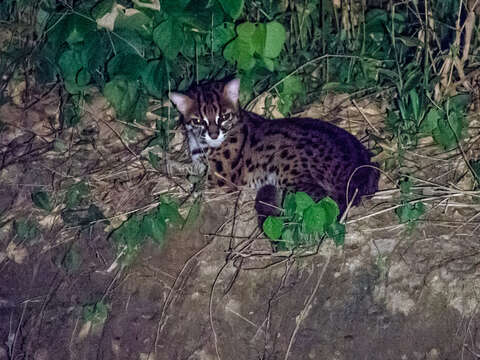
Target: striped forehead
point(208, 103)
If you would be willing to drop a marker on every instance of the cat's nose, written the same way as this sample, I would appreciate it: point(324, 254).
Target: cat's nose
point(213, 132)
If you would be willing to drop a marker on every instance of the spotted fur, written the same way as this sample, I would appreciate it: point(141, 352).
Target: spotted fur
point(294, 154)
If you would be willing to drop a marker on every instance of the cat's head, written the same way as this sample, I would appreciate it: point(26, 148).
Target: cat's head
point(210, 110)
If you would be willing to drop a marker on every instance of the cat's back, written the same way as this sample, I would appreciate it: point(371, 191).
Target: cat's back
point(309, 152)
point(305, 133)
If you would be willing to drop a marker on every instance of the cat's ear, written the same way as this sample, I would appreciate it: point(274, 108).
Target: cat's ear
point(232, 90)
point(182, 102)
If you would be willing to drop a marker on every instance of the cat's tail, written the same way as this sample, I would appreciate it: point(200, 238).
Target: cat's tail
point(365, 179)
point(267, 203)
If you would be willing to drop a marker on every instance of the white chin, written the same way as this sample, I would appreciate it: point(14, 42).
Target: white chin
point(215, 142)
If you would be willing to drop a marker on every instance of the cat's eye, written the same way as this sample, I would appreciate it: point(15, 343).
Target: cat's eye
point(227, 116)
point(195, 120)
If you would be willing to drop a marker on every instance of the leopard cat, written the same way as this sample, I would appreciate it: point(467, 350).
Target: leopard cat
point(273, 156)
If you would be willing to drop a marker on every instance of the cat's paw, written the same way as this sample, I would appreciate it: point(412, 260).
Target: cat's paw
point(198, 168)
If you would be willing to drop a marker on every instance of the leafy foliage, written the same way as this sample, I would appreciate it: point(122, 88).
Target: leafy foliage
point(475, 165)
point(96, 313)
point(304, 223)
point(447, 124)
point(133, 233)
point(418, 118)
point(80, 216)
point(410, 211)
point(72, 261)
point(75, 194)
point(290, 89)
point(132, 51)
point(141, 52)
point(42, 200)
point(256, 44)
point(135, 52)
point(26, 229)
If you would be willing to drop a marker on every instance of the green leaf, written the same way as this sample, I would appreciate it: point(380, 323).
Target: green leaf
point(303, 201)
point(410, 41)
point(141, 106)
point(129, 238)
point(73, 66)
point(475, 164)
point(285, 104)
point(336, 231)
point(410, 212)
point(154, 160)
point(122, 93)
point(274, 39)
point(25, 230)
point(241, 52)
point(42, 200)
point(128, 41)
point(155, 227)
point(222, 34)
point(258, 38)
point(338, 87)
point(96, 313)
point(42, 16)
point(246, 30)
point(413, 78)
point(169, 212)
point(191, 48)
point(78, 28)
point(130, 65)
point(169, 37)
point(430, 121)
point(200, 15)
point(293, 85)
point(130, 229)
point(154, 77)
point(82, 216)
point(290, 205)
point(72, 261)
point(269, 64)
point(95, 54)
point(415, 102)
point(375, 20)
point(405, 186)
point(232, 7)
point(75, 194)
point(273, 226)
point(289, 240)
point(390, 74)
point(102, 8)
point(331, 209)
point(418, 209)
point(314, 219)
point(171, 6)
point(193, 213)
point(404, 111)
point(250, 40)
point(94, 214)
point(460, 101)
point(288, 235)
point(444, 135)
point(137, 23)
